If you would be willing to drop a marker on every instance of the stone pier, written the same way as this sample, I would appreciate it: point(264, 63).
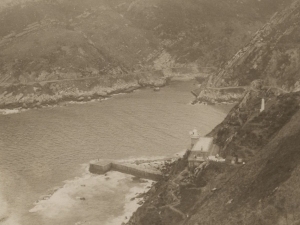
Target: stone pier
point(103, 166)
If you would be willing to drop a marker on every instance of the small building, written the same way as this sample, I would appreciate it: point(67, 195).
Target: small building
point(194, 137)
point(200, 151)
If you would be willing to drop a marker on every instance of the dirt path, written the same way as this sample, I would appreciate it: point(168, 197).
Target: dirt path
point(176, 202)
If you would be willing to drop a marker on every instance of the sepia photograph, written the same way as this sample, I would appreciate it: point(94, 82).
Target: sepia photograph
point(149, 112)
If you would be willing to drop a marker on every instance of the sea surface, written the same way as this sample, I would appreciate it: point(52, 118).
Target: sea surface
point(44, 154)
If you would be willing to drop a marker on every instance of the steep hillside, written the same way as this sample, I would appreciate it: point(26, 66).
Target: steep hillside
point(263, 191)
point(62, 49)
point(272, 56)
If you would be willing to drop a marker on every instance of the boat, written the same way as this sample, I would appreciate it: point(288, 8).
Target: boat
point(156, 89)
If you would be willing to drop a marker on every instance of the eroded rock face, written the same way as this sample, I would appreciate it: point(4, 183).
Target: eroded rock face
point(217, 96)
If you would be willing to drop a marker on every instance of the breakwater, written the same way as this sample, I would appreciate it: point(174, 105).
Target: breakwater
point(103, 166)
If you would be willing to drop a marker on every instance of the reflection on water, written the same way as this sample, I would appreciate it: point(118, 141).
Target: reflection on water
point(39, 149)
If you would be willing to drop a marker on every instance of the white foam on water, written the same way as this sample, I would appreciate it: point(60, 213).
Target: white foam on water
point(121, 93)
point(66, 197)
point(83, 199)
point(77, 102)
point(131, 204)
point(7, 215)
point(10, 111)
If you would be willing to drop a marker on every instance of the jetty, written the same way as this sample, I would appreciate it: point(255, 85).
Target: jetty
point(104, 166)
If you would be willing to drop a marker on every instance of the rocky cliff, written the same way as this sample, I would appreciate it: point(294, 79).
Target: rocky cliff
point(270, 58)
point(68, 49)
point(262, 191)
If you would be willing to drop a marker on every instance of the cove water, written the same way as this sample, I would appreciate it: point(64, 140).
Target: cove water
point(44, 154)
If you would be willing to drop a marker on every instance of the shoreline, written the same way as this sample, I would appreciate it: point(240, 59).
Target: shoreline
point(165, 167)
point(86, 97)
point(64, 100)
point(18, 107)
point(71, 191)
point(139, 195)
point(139, 198)
point(147, 92)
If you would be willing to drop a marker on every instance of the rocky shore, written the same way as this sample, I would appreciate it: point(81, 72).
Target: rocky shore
point(166, 166)
point(20, 97)
point(208, 94)
point(137, 199)
point(213, 96)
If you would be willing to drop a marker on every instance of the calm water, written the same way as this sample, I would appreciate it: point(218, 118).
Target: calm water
point(48, 149)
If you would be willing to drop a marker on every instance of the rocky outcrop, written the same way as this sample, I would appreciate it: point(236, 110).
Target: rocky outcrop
point(271, 56)
point(53, 93)
point(220, 95)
